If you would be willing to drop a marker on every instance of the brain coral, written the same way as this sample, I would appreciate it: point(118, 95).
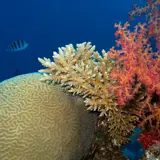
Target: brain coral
point(39, 121)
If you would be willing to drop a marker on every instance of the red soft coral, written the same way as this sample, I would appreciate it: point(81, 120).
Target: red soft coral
point(152, 11)
point(148, 138)
point(134, 59)
point(135, 67)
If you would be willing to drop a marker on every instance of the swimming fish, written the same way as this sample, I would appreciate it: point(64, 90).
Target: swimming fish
point(17, 45)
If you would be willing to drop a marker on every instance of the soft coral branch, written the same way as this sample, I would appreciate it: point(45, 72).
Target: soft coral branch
point(152, 12)
point(133, 59)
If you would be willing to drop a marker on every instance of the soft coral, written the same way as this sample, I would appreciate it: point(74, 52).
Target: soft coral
point(152, 12)
point(135, 58)
point(148, 138)
point(135, 67)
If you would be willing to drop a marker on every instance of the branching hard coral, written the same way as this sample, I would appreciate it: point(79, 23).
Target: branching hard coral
point(85, 72)
point(79, 73)
point(120, 121)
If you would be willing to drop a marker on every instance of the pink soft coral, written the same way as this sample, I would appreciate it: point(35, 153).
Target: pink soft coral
point(152, 12)
point(135, 67)
point(134, 59)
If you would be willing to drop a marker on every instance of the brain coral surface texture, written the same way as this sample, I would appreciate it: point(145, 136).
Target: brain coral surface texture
point(38, 121)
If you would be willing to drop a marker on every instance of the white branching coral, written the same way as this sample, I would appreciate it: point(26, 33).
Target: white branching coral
point(85, 72)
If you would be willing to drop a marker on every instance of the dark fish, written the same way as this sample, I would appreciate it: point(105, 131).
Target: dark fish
point(17, 45)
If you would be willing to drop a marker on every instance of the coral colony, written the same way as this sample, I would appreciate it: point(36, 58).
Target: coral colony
point(152, 12)
point(122, 84)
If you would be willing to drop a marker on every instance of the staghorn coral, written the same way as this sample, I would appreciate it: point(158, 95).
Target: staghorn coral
point(85, 72)
point(40, 122)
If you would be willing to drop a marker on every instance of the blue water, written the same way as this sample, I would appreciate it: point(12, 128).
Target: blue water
point(133, 150)
point(49, 24)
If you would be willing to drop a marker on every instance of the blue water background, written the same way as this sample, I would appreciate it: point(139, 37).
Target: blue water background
point(49, 24)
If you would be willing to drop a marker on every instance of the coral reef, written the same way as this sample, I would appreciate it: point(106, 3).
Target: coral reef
point(85, 72)
point(120, 83)
point(38, 121)
point(123, 84)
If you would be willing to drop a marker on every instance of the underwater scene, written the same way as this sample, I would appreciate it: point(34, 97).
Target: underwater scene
point(80, 80)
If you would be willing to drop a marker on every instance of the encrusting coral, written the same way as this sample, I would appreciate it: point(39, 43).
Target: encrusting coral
point(85, 72)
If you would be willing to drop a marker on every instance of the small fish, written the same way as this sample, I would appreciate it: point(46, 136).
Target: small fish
point(17, 45)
